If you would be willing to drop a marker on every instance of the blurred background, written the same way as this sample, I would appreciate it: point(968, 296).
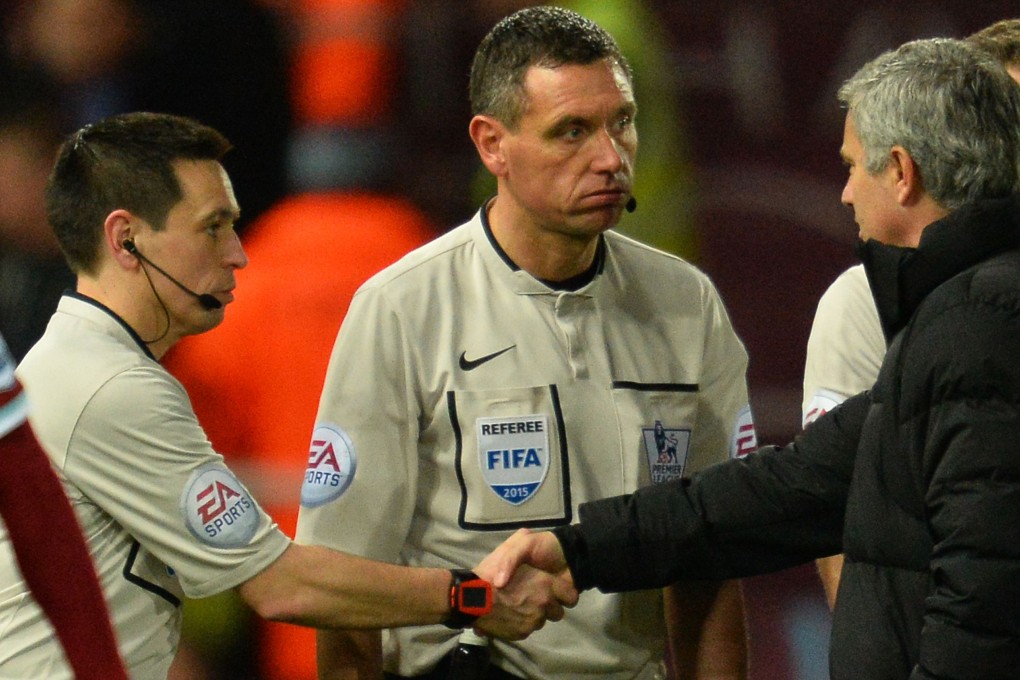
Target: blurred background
point(349, 119)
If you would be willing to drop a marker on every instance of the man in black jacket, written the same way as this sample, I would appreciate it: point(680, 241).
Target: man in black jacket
point(918, 481)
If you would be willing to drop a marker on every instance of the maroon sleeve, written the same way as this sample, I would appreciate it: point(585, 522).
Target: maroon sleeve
point(51, 553)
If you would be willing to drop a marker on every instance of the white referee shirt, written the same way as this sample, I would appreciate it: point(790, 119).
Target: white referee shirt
point(846, 345)
point(162, 515)
point(465, 399)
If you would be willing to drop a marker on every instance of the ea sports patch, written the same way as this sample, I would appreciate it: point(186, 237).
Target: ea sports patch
point(331, 466)
point(513, 453)
point(666, 448)
point(822, 401)
point(218, 510)
point(744, 440)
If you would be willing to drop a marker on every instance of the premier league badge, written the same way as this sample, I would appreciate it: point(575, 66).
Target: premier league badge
point(666, 449)
point(514, 455)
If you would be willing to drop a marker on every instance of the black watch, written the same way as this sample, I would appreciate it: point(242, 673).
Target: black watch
point(470, 597)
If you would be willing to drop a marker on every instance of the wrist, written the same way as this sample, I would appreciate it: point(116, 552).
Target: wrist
point(575, 553)
point(470, 597)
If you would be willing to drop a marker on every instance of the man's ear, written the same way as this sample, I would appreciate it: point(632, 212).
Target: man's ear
point(487, 133)
point(120, 226)
point(909, 187)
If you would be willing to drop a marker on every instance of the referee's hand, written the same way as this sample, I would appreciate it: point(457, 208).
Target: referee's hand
point(541, 550)
point(525, 602)
point(531, 584)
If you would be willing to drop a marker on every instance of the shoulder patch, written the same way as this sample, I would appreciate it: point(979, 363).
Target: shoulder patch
point(745, 439)
point(822, 401)
point(331, 466)
point(217, 508)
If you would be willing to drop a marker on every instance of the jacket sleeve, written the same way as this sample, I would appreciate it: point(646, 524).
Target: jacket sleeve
point(772, 509)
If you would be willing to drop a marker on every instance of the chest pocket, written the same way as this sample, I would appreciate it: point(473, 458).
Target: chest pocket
point(511, 458)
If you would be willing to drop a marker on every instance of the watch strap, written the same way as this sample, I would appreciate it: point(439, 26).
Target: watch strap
point(470, 598)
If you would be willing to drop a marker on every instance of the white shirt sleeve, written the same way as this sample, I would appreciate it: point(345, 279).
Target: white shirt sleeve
point(846, 345)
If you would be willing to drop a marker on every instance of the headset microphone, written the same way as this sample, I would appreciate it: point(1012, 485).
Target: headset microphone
point(631, 205)
point(207, 301)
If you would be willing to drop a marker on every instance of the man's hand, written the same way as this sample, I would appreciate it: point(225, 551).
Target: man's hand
point(540, 550)
point(531, 584)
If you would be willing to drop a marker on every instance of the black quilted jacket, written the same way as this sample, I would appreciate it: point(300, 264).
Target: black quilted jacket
point(917, 482)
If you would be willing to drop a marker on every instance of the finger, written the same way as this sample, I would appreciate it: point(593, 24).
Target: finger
point(513, 553)
point(506, 560)
point(499, 566)
point(514, 628)
point(554, 611)
point(563, 589)
point(496, 568)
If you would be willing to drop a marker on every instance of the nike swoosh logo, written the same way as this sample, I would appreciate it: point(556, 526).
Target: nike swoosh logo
point(471, 364)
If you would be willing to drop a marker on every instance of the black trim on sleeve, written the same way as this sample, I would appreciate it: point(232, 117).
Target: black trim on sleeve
point(141, 582)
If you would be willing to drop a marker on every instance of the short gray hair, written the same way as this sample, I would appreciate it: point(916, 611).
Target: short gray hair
point(952, 107)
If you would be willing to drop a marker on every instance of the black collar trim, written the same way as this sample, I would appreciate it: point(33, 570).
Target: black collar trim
point(116, 317)
point(577, 282)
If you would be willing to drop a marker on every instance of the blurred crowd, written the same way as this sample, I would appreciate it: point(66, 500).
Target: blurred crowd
point(349, 123)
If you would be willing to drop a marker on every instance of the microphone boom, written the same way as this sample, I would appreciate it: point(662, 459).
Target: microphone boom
point(208, 301)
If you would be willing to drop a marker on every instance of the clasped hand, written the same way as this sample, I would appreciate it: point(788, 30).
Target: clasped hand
point(531, 585)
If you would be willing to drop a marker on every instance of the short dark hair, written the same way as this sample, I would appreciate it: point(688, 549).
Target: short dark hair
point(1001, 40)
point(121, 162)
point(534, 36)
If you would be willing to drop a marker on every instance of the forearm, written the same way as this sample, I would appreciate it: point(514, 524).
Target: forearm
point(315, 586)
point(707, 630)
point(664, 534)
point(349, 654)
point(768, 511)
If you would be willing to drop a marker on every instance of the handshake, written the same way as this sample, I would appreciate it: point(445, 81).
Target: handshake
point(531, 584)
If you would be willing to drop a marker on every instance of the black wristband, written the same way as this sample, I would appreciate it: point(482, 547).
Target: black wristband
point(470, 597)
